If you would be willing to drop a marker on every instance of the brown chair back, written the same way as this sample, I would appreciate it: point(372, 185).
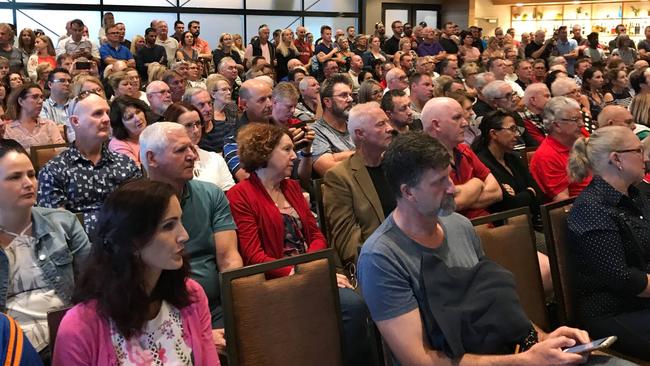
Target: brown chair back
point(53, 321)
point(317, 186)
point(292, 320)
point(40, 155)
point(512, 245)
point(554, 219)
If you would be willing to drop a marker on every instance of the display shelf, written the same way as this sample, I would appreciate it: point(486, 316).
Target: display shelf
point(597, 17)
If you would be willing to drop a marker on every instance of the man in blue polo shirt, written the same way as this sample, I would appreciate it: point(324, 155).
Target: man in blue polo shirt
point(113, 50)
point(567, 48)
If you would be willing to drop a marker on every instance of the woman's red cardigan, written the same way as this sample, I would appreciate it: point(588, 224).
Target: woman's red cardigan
point(260, 227)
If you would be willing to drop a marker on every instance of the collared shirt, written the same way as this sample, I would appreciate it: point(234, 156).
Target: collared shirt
point(567, 47)
point(171, 45)
point(609, 234)
point(201, 45)
point(303, 112)
point(120, 53)
point(45, 133)
point(69, 46)
point(549, 168)
point(55, 112)
point(465, 167)
point(429, 49)
point(534, 125)
point(73, 182)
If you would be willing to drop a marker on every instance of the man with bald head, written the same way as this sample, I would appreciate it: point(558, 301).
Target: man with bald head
point(304, 49)
point(356, 65)
point(357, 197)
point(160, 98)
point(169, 43)
point(80, 178)
point(616, 115)
point(535, 98)
point(476, 188)
point(255, 99)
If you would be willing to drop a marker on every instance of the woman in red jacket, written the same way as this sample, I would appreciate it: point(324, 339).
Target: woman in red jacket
point(274, 221)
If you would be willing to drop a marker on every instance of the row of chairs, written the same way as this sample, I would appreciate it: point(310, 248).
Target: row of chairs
point(301, 313)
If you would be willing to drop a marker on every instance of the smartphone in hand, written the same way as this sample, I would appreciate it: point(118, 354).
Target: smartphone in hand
point(592, 346)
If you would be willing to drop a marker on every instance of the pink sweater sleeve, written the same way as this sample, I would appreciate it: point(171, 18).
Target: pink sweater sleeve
point(201, 337)
point(79, 338)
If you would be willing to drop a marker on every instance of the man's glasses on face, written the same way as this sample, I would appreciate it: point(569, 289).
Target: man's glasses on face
point(62, 81)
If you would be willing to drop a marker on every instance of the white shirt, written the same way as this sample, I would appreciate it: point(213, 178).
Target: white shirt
point(211, 167)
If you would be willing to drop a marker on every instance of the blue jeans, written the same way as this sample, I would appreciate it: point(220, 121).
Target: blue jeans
point(358, 337)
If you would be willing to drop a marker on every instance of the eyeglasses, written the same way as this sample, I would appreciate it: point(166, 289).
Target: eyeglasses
point(343, 96)
point(571, 120)
point(81, 96)
point(166, 91)
point(639, 150)
point(61, 81)
point(511, 95)
point(35, 96)
point(514, 129)
point(192, 125)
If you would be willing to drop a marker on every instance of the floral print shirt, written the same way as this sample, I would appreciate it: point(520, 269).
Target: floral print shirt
point(160, 342)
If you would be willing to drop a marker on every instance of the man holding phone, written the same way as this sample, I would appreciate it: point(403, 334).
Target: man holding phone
point(77, 45)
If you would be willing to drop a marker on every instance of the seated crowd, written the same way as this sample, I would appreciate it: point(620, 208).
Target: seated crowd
point(175, 162)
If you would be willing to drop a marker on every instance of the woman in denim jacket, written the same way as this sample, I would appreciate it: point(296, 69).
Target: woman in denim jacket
point(40, 249)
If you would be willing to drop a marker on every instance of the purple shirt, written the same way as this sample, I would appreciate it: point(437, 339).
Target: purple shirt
point(431, 49)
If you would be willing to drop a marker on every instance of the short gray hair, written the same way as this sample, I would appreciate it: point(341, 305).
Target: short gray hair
point(483, 79)
point(492, 90)
point(533, 90)
point(223, 61)
point(191, 92)
point(562, 86)
point(155, 138)
point(554, 107)
point(303, 85)
point(359, 116)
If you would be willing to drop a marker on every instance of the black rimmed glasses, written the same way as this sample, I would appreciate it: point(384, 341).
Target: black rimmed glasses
point(639, 150)
point(514, 129)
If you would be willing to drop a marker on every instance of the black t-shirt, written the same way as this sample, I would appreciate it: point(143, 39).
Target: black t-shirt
point(386, 196)
point(448, 45)
point(533, 47)
point(391, 46)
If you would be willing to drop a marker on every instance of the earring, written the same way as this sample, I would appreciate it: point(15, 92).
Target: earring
point(620, 168)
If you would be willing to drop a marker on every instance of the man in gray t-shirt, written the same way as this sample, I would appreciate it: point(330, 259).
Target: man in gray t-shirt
point(332, 143)
point(390, 265)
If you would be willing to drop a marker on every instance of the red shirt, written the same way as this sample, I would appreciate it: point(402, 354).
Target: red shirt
point(260, 227)
point(305, 51)
point(549, 168)
point(467, 166)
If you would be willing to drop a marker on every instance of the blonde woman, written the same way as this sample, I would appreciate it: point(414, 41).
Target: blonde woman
point(43, 53)
point(285, 51)
point(640, 109)
point(226, 48)
point(238, 45)
point(137, 43)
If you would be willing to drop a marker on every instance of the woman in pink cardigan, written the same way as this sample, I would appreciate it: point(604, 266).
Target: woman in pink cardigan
point(274, 221)
point(135, 302)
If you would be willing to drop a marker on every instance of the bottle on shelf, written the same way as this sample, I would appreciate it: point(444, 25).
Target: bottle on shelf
point(637, 29)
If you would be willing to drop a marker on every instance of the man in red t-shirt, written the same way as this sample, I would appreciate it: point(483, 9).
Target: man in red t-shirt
point(303, 46)
point(563, 122)
point(476, 187)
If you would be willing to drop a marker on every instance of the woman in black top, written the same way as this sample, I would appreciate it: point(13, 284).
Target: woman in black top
point(284, 52)
point(609, 236)
point(495, 148)
point(226, 49)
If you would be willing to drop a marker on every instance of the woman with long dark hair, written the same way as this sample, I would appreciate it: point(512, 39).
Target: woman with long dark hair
point(592, 87)
point(135, 303)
